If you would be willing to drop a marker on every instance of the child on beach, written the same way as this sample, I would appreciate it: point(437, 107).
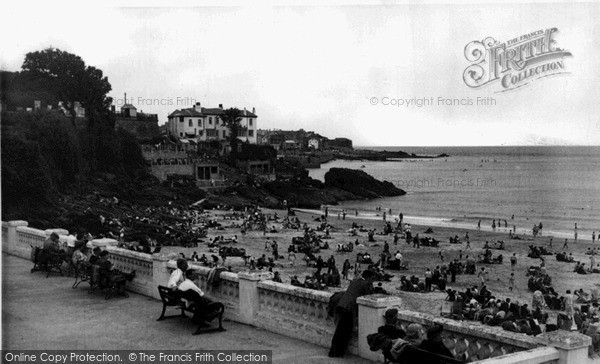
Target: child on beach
point(483, 275)
point(511, 282)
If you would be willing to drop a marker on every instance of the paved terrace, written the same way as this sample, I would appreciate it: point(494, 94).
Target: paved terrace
point(46, 313)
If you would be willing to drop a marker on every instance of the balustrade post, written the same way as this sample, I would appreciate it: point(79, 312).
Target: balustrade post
point(370, 316)
point(248, 300)
point(572, 346)
point(10, 245)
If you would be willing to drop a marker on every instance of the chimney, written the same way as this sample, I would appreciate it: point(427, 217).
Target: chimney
point(125, 99)
point(253, 110)
point(197, 107)
point(221, 106)
point(245, 111)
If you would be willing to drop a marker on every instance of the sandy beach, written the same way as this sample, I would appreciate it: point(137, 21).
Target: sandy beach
point(419, 259)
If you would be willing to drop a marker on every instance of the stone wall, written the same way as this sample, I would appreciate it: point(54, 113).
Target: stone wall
point(162, 171)
point(470, 340)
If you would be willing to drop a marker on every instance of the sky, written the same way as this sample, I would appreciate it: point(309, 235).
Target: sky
point(334, 69)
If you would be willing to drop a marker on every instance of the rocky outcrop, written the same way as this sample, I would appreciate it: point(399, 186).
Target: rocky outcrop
point(360, 183)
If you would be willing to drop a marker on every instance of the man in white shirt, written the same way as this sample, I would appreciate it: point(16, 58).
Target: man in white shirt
point(178, 275)
point(190, 292)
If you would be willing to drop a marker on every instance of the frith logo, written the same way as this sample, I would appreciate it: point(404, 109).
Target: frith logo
point(516, 62)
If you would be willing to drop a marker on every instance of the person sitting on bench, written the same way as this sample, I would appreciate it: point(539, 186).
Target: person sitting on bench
point(178, 275)
point(194, 298)
point(95, 255)
point(50, 248)
point(110, 275)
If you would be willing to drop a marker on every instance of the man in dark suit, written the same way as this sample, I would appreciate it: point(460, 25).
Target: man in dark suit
point(347, 310)
point(434, 342)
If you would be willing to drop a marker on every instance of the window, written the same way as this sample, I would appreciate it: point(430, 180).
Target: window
point(190, 123)
point(200, 132)
point(224, 134)
point(210, 120)
point(250, 121)
point(211, 133)
point(199, 123)
point(180, 134)
point(250, 133)
point(181, 119)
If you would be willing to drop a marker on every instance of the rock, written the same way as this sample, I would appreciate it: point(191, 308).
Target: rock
point(360, 183)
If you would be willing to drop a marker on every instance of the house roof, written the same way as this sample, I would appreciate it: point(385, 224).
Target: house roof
point(204, 112)
point(128, 106)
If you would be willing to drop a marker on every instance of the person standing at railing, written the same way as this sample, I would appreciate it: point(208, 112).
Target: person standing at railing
point(347, 311)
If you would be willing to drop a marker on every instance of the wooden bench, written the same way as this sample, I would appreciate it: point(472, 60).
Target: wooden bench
point(213, 310)
point(90, 273)
point(52, 261)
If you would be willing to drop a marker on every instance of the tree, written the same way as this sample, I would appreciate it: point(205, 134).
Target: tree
point(69, 79)
point(232, 118)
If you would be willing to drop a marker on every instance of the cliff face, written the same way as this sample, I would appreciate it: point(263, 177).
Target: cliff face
point(360, 183)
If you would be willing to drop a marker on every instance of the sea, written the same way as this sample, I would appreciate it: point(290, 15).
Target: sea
point(520, 186)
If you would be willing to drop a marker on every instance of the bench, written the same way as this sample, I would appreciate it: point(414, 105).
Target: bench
point(212, 310)
point(110, 285)
point(51, 262)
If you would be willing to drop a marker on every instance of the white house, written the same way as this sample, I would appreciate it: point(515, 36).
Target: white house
point(205, 124)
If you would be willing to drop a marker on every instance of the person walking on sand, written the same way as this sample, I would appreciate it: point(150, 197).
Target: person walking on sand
point(511, 282)
point(479, 225)
point(565, 245)
point(416, 242)
point(593, 236)
point(483, 273)
point(575, 232)
point(468, 242)
point(513, 261)
point(550, 244)
point(494, 225)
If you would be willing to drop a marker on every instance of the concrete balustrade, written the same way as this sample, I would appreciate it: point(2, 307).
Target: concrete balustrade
point(252, 298)
point(370, 315)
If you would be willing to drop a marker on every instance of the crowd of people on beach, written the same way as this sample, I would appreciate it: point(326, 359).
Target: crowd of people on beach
point(191, 227)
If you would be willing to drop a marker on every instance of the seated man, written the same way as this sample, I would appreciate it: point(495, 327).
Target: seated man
point(178, 275)
point(95, 255)
point(194, 298)
point(390, 329)
point(434, 343)
point(50, 247)
point(109, 275)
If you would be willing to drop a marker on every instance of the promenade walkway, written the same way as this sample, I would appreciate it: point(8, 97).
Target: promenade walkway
point(45, 313)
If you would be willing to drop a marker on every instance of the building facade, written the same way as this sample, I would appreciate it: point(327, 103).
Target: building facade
point(205, 124)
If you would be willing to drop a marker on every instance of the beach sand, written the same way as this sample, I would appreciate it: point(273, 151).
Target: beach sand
point(419, 259)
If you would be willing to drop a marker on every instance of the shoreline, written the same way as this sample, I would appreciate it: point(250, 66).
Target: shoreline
point(452, 223)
